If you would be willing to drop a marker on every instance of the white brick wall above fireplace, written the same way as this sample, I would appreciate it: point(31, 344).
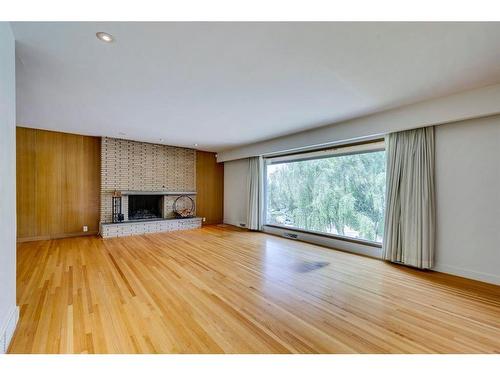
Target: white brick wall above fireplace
point(144, 167)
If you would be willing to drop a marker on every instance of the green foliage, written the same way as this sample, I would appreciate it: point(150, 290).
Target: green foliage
point(342, 195)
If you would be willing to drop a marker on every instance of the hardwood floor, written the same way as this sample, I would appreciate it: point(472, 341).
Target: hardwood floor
point(222, 290)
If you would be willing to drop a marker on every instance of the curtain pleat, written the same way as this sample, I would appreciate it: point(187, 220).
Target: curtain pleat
point(409, 231)
point(253, 215)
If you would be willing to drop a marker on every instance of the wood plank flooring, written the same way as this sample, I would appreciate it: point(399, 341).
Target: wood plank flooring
point(223, 290)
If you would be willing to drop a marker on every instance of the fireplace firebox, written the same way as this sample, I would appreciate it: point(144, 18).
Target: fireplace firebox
point(145, 207)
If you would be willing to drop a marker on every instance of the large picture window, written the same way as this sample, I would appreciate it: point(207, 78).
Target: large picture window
point(339, 192)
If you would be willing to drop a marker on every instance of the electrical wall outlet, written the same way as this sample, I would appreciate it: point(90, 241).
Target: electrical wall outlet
point(85, 228)
point(204, 219)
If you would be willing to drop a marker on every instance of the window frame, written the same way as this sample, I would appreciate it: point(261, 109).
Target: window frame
point(374, 145)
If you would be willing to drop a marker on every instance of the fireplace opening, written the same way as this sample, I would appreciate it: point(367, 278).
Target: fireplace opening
point(145, 207)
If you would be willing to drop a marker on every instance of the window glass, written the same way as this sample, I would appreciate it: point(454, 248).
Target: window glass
point(341, 194)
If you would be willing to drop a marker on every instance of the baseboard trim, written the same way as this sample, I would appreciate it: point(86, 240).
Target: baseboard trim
point(57, 236)
point(240, 224)
point(7, 332)
point(468, 274)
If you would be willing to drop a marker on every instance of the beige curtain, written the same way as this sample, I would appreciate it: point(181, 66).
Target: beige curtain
point(409, 232)
point(253, 181)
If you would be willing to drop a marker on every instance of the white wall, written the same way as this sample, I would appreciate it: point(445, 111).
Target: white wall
point(8, 310)
point(468, 198)
point(235, 192)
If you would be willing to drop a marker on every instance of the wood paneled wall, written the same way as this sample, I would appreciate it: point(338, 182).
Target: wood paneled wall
point(58, 184)
point(210, 187)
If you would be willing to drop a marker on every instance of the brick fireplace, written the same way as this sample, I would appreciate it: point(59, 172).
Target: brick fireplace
point(149, 178)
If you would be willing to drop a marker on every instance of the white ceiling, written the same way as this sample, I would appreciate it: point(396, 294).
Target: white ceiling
point(223, 85)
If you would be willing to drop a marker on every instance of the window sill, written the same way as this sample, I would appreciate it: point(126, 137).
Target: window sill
point(327, 235)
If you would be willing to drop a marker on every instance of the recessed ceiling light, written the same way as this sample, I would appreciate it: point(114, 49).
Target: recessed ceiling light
point(161, 140)
point(105, 37)
point(196, 144)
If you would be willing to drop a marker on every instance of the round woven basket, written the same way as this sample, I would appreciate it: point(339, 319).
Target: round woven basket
point(184, 212)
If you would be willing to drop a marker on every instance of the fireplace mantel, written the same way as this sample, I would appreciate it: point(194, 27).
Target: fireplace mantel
point(138, 192)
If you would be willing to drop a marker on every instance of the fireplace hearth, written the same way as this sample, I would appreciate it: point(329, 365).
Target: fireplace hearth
point(145, 207)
